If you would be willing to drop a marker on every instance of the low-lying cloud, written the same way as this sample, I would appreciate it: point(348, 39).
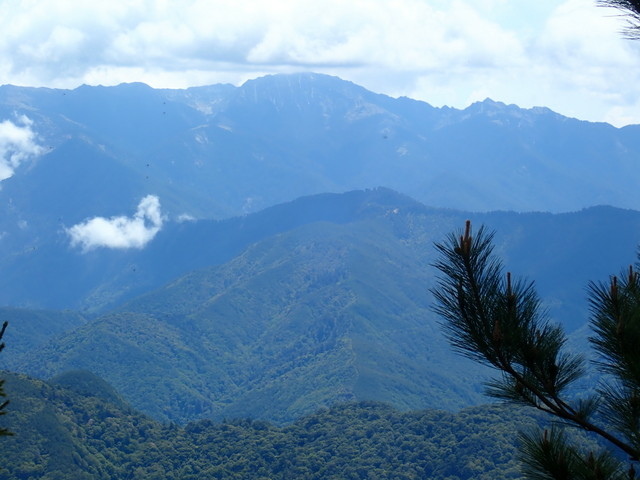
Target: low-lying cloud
point(120, 232)
point(17, 144)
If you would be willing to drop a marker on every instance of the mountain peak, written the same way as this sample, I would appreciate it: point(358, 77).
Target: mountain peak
point(490, 107)
point(302, 90)
point(300, 80)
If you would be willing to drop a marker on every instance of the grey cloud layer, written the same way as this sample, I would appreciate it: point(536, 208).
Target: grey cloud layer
point(406, 34)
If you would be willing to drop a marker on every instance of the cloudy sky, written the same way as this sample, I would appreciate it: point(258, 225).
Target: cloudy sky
point(568, 55)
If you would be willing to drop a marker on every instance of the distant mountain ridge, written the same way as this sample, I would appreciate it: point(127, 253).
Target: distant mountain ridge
point(220, 151)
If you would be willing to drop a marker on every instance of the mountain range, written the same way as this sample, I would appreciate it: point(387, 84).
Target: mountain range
point(267, 250)
point(220, 151)
point(90, 176)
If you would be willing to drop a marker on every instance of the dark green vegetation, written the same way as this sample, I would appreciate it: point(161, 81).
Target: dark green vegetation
point(35, 328)
point(76, 432)
point(329, 304)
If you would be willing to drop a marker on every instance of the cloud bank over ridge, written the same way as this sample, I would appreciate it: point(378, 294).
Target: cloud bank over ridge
point(120, 232)
point(564, 54)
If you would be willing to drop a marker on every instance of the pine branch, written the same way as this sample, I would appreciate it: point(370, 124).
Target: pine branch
point(631, 10)
point(500, 323)
point(548, 454)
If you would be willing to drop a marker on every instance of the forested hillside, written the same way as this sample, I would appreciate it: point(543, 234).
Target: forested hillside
point(321, 300)
point(173, 260)
point(76, 431)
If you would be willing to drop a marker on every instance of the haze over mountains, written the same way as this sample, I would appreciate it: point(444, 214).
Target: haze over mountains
point(264, 250)
point(100, 168)
point(220, 151)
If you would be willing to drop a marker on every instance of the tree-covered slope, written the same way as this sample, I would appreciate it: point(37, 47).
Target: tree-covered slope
point(335, 307)
point(323, 313)
point(66, 432)
point(30, 329)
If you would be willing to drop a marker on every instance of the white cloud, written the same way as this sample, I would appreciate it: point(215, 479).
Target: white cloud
point(185, 217)
point(573, 62)
point(120, 232)
point(17, 144)
point(568, 55)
